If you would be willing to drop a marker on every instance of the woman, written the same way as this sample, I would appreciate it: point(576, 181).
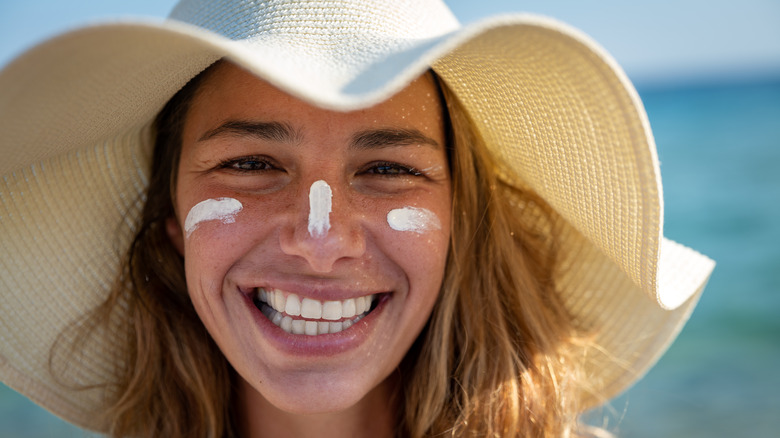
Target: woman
point(359, 220)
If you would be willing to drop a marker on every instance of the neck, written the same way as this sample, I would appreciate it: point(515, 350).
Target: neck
point(373, 416)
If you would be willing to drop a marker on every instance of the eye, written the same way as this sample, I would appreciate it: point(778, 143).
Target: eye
point(390, 169)
point(248, 164)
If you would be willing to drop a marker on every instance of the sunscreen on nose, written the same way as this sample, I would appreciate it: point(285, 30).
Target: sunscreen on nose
point(221, 209)
point(320, 198)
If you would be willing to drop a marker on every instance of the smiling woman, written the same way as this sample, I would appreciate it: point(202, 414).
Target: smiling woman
point(273, 245)
point(356, 220)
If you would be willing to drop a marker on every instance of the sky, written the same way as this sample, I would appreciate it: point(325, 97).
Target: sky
point(654, 41)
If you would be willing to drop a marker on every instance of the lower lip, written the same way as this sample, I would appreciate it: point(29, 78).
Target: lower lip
point(321, 345)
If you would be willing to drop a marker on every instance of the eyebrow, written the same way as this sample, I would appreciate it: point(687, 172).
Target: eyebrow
point(389, 137)
point(274, 131)
point(284, 133)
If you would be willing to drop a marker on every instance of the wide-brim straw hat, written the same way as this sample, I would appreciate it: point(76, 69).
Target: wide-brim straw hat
point(552, 106)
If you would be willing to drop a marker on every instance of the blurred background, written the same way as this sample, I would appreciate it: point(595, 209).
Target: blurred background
point(709, 75)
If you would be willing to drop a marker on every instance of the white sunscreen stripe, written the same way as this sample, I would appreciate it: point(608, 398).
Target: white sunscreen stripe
point(417, 220)
point(320, 198)
point(221, 209)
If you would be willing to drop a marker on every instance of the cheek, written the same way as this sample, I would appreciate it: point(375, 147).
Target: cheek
point(413, 219)
point(420, 240)
point(215, 233)
point(210, 224)
point(222, 210)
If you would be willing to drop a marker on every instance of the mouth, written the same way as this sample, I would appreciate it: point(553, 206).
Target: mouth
point(307, 316)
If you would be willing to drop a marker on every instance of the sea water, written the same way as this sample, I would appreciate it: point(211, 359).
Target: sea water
point(719, 147)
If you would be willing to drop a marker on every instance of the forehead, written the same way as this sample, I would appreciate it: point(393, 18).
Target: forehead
point(229, 92)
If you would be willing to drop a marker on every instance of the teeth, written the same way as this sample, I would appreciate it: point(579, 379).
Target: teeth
point(286, 324)
point(310, 309)
point(277, 302)
point(361, 305)
point(311, 328)
point(331, 310)
point(298, 326)
point(323, 327)
point(317, 317)
point(348, 308)
point(277, 318)
point(293, 306)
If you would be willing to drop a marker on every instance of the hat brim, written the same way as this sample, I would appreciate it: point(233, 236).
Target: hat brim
point(549, 102)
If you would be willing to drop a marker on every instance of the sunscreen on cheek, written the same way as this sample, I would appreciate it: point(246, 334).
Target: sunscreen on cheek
point(320, 198)
point(221, 209)
point(416, 220)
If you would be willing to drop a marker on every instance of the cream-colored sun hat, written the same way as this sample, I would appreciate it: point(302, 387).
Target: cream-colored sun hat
point(549, 102)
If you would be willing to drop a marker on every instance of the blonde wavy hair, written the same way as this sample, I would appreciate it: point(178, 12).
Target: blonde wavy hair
point(493, 360)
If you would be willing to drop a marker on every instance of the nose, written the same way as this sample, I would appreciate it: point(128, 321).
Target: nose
point(324, 229)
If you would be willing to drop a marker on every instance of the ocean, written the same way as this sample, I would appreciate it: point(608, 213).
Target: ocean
point(719, 147)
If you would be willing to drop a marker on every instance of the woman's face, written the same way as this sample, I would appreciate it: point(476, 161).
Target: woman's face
point(314, 241)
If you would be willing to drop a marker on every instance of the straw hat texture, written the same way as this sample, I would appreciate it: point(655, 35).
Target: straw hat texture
point(552, 106)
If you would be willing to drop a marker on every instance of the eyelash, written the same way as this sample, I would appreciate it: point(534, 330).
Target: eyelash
point(390, 169)
point(383, 168)
point(234, 163)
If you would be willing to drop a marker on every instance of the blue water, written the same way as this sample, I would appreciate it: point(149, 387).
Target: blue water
point(719, 147)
